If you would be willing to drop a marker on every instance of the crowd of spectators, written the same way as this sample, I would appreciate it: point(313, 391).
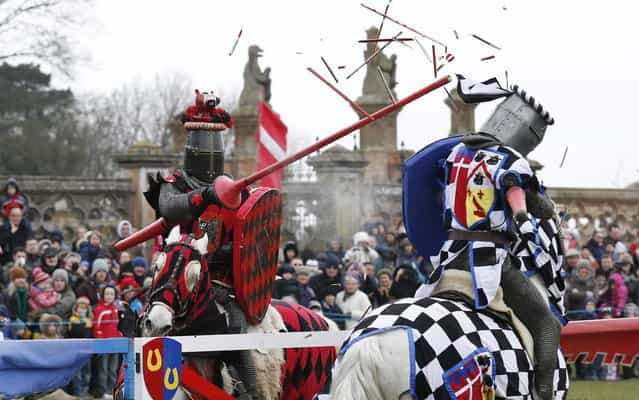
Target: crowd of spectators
point(54, 287)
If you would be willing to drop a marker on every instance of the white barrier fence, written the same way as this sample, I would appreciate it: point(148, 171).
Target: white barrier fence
point(248, 341)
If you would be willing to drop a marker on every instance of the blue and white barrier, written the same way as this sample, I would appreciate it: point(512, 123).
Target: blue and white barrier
point(32, 366)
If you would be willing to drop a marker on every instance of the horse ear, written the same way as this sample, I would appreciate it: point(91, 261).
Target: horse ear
point(174, 235)
point(201, 244)
point(192, 274)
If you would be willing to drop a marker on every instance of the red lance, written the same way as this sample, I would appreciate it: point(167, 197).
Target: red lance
point(229, 191)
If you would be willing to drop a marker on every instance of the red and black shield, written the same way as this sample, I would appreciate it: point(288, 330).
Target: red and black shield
point(256, 241)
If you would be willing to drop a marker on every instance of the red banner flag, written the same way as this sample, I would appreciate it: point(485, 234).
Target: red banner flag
point(271, 144)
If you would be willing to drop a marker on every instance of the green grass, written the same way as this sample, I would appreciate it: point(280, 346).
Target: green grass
point(617, 390)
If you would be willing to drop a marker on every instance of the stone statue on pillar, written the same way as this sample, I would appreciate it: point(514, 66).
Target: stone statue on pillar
point(462, 115)
point(257, 83)
point(373, 85)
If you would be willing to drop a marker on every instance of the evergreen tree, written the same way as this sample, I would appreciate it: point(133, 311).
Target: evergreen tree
point(39, 129)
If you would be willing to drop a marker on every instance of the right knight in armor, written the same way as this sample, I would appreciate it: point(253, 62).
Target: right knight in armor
point(501, 225)
point(182, 197)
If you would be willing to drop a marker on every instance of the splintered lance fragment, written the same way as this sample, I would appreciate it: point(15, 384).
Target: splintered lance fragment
point(373, 55)
point(487, 58)
point(385, 40)
point(423, 50)
point(388, 89)
point(328, 67)
point(434, 62)
point(381, 25)
point(402, 25)
point(237, 39)
point(485, 41)
point(564, 157)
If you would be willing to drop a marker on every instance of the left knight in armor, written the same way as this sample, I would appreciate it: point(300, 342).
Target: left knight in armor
point(182, 197)
point(502, 226)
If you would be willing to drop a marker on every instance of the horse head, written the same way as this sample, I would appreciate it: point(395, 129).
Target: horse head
point(180, 276)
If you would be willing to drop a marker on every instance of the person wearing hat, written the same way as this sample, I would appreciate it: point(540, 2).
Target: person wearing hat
point(361, 251)
point(305, 293)
point(286, 288)
point(57, 240)
point(99, 275)
point(50, 260)
point(140, 267)
point(14, 231)
point(11, 192)
point(129, 290)
point(330, 309)
point(81, 327)
point(18, 292)
point(41, 293)
point(330, 275)
point(64, 305)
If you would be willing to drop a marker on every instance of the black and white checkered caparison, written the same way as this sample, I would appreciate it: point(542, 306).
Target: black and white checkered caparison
point(445, 332)
point(534, 104)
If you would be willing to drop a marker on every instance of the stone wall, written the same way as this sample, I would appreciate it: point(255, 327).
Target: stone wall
point(67, 202)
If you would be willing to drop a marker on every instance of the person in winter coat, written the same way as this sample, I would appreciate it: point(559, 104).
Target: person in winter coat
point(140, 270)
point(41, 293)
point(616, 296)
point(105, 325)
point(596, 245)
point(330, 276)
point(18, 292)
point(90, 288)
point(382, 295)
point(405, 282)
point(353, 302)
point(129, 290)
point(582, 286)
point(14, 231)
point(91, 249)
point(330, 309)
point(361, 252)
point(50, 327)
point(305, 293)
point(50, 260)
point(57, 241)
point(63, 307)
point(81, 327)
point(287, 287)
point(408, 256)
point(11, 191)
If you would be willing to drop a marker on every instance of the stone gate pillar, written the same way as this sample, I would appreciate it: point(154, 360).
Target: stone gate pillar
point(462, 115)
point(141, 159)
point(339, 175)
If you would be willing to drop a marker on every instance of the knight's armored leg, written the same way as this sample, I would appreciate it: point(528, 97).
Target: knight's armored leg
point(522, 296)
point(245, 367)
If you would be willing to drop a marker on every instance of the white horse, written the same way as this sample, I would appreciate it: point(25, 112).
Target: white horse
point(432, 348)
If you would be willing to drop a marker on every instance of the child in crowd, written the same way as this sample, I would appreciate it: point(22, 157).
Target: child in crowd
point(139, 269)
point(305, 293)
point(41, 293)
point(50, 327)
point(91, 249)
point(105, 373)
point(286, 288)
point(129, 290)
point(81, 327)
point(330, 309)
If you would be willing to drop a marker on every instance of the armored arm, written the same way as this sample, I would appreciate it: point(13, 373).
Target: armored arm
point(175, 206)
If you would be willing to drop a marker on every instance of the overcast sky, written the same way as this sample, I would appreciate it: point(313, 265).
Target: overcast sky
point(578, 58)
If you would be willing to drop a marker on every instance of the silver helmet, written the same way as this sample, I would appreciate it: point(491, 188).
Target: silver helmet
point(519, 122)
